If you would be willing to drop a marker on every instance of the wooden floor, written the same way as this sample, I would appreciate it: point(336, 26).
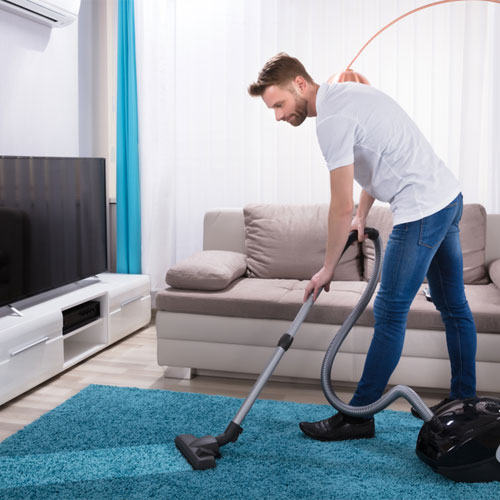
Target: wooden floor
point(132, 362)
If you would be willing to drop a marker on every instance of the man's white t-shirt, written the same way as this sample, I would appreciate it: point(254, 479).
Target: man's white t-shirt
point(393, 161)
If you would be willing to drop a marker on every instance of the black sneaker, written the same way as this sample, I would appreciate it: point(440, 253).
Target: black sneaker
point(434, 408)
point(340, 427)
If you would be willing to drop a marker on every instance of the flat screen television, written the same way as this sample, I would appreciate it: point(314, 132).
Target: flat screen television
point(53, 223)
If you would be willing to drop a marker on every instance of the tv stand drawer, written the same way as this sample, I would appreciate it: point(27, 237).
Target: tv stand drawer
point(18, 334)
point(132, 315)
point(129, 303)
point(30, 364)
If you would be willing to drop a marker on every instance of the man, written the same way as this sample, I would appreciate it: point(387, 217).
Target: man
point(366, 136)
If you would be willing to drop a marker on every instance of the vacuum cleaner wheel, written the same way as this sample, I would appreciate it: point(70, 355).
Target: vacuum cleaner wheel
point(462, 441)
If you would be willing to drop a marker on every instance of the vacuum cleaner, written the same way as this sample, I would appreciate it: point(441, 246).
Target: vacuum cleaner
point(461, 441)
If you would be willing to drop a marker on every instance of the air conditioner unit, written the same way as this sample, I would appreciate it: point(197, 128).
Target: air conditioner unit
point(53, 13)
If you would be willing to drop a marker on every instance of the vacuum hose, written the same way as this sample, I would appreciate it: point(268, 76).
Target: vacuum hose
point(396, 392)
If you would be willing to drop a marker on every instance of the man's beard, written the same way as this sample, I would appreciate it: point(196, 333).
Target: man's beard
point(300, 113)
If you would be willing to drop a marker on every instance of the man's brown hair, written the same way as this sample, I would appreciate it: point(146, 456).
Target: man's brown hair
point(279, 70)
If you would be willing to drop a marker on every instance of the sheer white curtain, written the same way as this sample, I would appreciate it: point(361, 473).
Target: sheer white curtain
point(205, 143)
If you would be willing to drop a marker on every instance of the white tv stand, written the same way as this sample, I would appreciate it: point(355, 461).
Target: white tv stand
point(33, 347)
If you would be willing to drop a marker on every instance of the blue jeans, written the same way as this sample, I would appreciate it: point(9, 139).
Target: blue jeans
point(427, 247)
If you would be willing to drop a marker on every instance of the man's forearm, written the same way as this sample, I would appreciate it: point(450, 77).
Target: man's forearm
point(339, 225)
point(365, 203)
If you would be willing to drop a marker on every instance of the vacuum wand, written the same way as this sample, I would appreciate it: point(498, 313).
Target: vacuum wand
point(202, 452)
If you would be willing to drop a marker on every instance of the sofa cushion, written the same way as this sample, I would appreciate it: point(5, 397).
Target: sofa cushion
point(472, 239)
point(289, 242)
point(265, 298)
point(207, 270)
point(281, 299)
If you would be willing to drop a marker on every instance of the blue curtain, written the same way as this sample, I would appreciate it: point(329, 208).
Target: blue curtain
point(128, 201)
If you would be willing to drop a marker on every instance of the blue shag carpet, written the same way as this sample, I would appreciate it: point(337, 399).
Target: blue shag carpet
point(118, 443)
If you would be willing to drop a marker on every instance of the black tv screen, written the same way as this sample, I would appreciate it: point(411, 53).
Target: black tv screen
point(53, 223)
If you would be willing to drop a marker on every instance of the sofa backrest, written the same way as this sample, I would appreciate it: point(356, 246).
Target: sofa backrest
point(288, 242)
point(224, 229)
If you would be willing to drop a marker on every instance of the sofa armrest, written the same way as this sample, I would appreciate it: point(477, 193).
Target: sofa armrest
point(207, 270)
point(494, 271)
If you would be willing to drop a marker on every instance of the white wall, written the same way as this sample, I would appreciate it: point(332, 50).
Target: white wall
point(53, 85)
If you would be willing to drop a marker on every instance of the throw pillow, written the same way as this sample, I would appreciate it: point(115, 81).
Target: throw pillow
point(207, 270)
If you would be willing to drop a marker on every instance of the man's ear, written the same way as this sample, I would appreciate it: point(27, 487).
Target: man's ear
point(300, 84)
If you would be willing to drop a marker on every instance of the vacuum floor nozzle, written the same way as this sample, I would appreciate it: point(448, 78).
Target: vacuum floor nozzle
point(199, 452)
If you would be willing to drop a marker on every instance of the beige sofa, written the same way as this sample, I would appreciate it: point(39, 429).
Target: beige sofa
point(227, 306)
